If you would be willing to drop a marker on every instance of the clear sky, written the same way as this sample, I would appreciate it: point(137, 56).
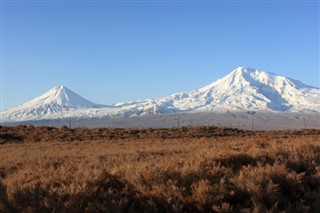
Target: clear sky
point(112, 51)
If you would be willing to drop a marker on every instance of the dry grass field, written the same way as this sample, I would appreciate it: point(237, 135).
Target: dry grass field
point(200, 169)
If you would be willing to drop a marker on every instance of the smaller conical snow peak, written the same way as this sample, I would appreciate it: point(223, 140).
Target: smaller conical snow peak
point(57, 92)
point(62, 96)
point(59, 88)
point(56, 100)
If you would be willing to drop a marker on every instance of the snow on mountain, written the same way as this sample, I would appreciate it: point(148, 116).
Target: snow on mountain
point(52, 104)
point(244, 89)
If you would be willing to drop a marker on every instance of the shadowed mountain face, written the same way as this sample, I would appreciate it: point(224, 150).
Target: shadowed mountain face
point(244, 89)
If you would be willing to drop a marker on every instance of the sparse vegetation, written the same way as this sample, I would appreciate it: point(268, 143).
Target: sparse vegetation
point(201, 169)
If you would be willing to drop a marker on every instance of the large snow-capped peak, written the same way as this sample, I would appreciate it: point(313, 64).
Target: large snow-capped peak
point(270, 91)
point(242, 77)
point(248, 89)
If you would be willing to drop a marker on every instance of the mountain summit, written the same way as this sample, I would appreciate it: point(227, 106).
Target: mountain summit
point(244, 89)
point(249, 89)
point(54, 103)
point(62, 97)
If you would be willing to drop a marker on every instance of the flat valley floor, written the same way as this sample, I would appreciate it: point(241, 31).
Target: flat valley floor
point(195, 169)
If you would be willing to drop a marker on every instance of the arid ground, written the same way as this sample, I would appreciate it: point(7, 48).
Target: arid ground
point(195, 169)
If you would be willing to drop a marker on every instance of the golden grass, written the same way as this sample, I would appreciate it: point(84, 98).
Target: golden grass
point(253, 172)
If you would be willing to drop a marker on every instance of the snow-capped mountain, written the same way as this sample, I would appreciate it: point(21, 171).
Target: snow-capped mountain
point(54, 103)
point(244, 89)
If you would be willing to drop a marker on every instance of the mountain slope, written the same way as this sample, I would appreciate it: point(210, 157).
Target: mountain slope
point(244, 89)
point(248, 89)
point(52, 104)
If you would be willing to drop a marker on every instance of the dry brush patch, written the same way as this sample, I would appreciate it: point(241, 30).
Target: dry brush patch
point(28, 134)
point(252, 172)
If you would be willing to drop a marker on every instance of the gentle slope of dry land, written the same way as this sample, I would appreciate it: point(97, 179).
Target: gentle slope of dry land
point(166, 170)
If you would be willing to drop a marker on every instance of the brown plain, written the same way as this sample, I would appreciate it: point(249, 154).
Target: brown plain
point(188, 169)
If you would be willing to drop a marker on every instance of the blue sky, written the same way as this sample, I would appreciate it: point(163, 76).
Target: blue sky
point(116, 51)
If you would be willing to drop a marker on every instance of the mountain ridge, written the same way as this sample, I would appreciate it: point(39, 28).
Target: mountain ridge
point(244, 89)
